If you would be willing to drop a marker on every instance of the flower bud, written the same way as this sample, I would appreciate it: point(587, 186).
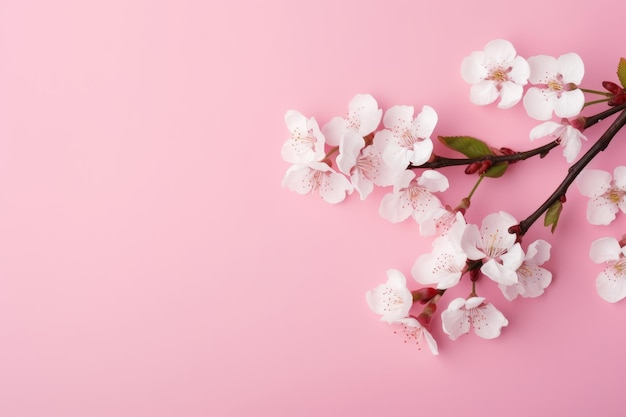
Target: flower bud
point(484, 167)
point(577, 122)
point(474, 274)
point(424, 295)
point(473, 168)
point(611, 87)
point(517, 229)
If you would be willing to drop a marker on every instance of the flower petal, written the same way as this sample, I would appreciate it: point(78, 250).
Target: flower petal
point(520, 71)
point(571, 67)
point(510, 95)
point(398, 117)
point(488, 322)
point(619, 176)
point(539, 103)
point(611, 285)
point(543, 69)
point(484, 92)
point(349, 150)
point(433, 181)
point(500, 51)
point(601, 211)
point(472, 68)
point(569, 104)
point(422, 151)
point(470, 241)
point(395, 207)
point(546, 129)
point(365, 109)
point(455, 321)
point(499, 273)
point(605, 249)
point(571, 145)
point(593, 183)
point(425, 122)
point(538, 252)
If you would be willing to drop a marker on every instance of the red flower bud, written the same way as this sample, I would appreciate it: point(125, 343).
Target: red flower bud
point(484, 167)
point(424, 295)
point(472, 168)
point(474, 274)
point(611, 87)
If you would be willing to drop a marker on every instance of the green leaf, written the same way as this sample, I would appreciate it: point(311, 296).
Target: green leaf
point(467, 145)
point(621, 72)
point(497, 170)
point(552, 215)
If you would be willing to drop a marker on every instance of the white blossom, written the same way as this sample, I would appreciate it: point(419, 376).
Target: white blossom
point(495, 72)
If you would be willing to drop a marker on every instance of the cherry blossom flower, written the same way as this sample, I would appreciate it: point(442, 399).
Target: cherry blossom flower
point(532, 279)
point(363, 117)
point(391, 300)
point(413, 197)
point(417, 333)
point(364, 164)
point(498, 249)
point(444, 266)
point(407, 139)
point(317, 176)
point(606, 194)
point(462, 314)
point(611, 282)
point(558, 91)
point(495, 72)
point(306, 143)
point(570, 138)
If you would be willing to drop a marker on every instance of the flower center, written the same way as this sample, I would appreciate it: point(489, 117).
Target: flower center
point(368, 166)
point(392, 300)
point(499, 75)
point(412, 334)
point(556, 86)
point(477, 317)
point(306, 138)
point(316, 179)
point(415, 192)
point(407, 139)
point(616, 196)
point(620, 265)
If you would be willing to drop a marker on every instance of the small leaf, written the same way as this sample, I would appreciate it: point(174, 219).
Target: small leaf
point(621, 72)
point(467, 145)
point(552, 215)
point(497, 170)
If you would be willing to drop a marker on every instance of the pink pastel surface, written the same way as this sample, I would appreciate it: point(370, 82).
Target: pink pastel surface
point(152, 265)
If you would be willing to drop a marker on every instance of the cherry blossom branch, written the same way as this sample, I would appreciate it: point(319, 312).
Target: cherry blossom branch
point(542, 151)
point(574, 171)
point(592, 120)
point(441, 162)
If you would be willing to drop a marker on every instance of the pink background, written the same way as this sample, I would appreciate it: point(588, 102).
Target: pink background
point(151, 264)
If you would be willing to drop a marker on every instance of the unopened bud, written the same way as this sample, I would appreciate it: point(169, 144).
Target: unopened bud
point(424, 295)
point(622, 242)
point(562, 198)
point(517, 229)
point(474, 274)
point(618, 99)
point(429, 309)
point(484, 167)
point(577, 122)
point(424, 319)
point(611, 87)
point(473, 168)
point(464, 205)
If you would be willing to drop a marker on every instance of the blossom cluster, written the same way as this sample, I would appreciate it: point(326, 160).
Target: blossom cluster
point(367, 147)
